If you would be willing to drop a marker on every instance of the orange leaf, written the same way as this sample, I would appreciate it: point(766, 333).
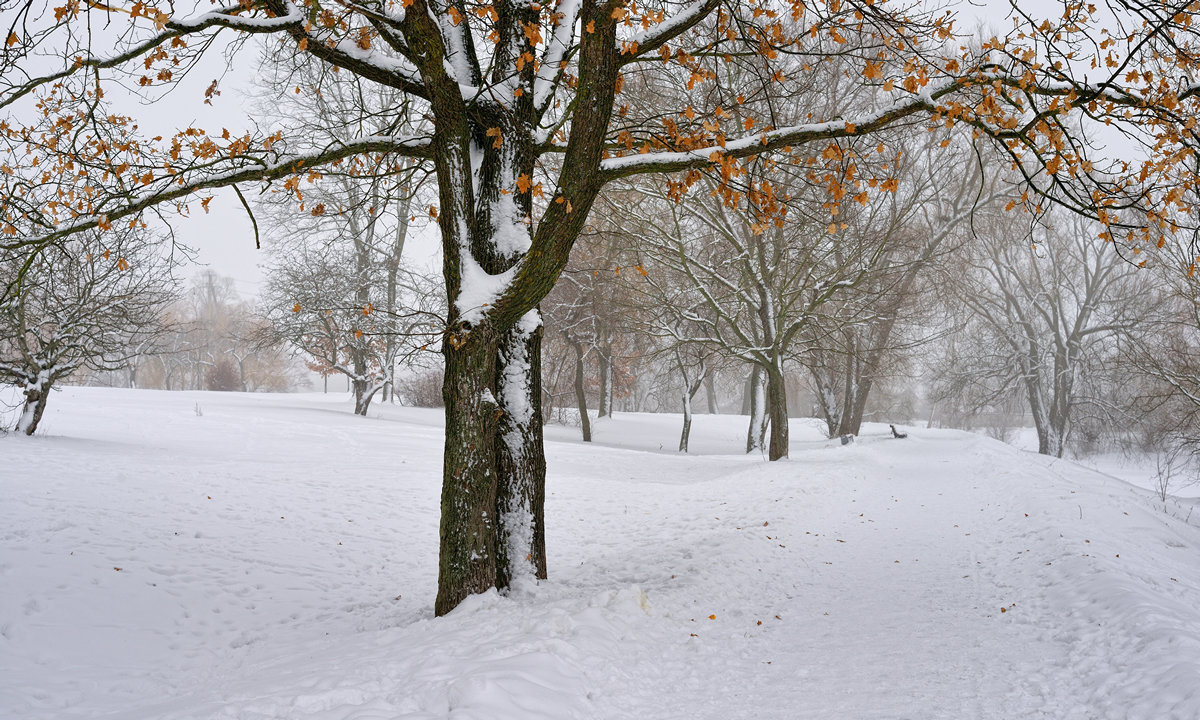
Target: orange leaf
point(13, 39)
point(296, 307)
point(495, 133)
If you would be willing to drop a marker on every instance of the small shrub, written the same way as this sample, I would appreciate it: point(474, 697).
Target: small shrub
point(422, 389)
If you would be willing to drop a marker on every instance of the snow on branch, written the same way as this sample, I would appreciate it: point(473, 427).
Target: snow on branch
point(561, 43)
point(225, 17)
point(653, 37)
point(655, 162)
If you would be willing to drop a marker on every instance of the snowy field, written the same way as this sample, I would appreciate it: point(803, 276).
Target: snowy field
point(206, 555)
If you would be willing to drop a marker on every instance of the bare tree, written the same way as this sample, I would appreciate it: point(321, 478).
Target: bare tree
point(1044, 316)
point(88, 303)
point(855, 342)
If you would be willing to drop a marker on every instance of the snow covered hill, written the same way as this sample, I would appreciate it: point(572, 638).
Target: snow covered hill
point(203, 555)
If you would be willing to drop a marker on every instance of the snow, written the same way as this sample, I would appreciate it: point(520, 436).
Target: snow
point(478, 289)
point(672, 24)
point(561, 41)
point(277, 559)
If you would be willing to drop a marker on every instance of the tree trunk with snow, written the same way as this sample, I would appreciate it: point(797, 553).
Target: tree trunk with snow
point(710, 391)
point(364, 392)
point(521, 457)
point(687, 422)
point(35, 405)
point(757, 397)
point(690, 388)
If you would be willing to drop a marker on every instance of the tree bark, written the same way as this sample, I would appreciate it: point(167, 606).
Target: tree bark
point(521, 456)
point(711, 391)
point(468, 557)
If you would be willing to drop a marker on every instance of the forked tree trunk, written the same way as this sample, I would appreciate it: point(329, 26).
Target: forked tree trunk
point(493, 500)
point(853, 420)
point(364, 392)
point(476, 179)
point(31, 413)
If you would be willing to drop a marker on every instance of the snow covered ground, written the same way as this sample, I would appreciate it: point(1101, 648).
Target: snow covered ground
point(205, 555)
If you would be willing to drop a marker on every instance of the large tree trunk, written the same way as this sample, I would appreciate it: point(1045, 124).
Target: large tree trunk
point(777, 405)
point(520, 456)
point(585, 423)
point(711, 391)
point(469, 530)
point(493, 502)
point(476, 198)
point(31, 413)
